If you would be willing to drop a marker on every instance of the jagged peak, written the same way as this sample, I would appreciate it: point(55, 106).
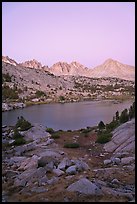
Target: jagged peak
point(60, 63)
point(75, 63)
point(32, 60)
point(32, 64)
point(9, 60)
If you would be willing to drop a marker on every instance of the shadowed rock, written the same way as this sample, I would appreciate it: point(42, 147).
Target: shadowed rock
point(84, 186)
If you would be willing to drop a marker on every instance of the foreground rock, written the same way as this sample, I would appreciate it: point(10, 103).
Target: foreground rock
point(41, 170)
point(84, 186)
point(123, 139)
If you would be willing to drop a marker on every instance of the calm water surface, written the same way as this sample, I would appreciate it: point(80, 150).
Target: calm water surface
point(67, 116)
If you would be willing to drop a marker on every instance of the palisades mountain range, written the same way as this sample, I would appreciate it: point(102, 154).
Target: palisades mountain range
point(110, 68)
point(62, 81)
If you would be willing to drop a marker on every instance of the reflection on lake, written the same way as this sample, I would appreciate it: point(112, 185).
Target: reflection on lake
point(68, 115)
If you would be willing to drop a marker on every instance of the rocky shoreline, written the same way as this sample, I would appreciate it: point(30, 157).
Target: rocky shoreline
point(43, 170)
point(12, 106)
point(17, 105)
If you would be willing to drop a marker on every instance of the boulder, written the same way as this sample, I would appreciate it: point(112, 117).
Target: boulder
point(58, 172)
point(11, 141)
point(29, 176)
point(65, 163)
point(19, 150)
point(11, 173)
point(29, 163)
point(115, 181)
point(71, 170)
point(37, 132)
point(49, 153)
point(49, 141)
point(84, 186)
point(115, 160)
point(50, 166)
point(42, 181)
point(127, 160)
point(53, 180)
point(48, 161)
point(107, 161)
point(15, 160)
point(81, 165)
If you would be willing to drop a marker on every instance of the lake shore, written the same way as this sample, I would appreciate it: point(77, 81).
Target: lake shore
point(8, 106)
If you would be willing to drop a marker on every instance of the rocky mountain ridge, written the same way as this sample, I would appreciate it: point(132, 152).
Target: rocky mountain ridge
point(37, 85)
point(110, 68)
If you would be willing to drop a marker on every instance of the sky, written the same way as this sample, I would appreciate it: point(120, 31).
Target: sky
point(86, 32)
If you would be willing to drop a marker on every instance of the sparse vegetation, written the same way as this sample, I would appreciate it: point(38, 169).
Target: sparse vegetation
point(6, 77)
point(19, 140)
point(23, 124)
point(112, 125)
point(40, 93)
point(9, 93)
point(50, 130)
point(69, 130)
point(104, 137)
point(71, 145)
point(105, 131)
point(61, 98)
point(55, 136)
point(124, 116)
point(86, 130)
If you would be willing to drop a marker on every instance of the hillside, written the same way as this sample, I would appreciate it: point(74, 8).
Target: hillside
point(31, 83)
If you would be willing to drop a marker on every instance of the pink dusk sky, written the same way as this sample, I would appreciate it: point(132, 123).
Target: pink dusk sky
point(87, 32)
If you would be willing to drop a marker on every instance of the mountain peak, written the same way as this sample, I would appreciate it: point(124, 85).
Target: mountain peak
point(32, 64)
point(109, 60)
point(113, 68)
point(74, 63)
point(8, 60)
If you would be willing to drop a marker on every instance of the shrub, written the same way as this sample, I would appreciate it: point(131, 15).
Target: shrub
point(6, 77)
point(86, 130)
point(112, 125)
point(61, 98)
point(19, 140)
point(124, 116)
point(104, 137)
point(40, 93)
point(132, 111)
point(71, 145)
point(8, 93)
point(101, 125)
point(50, 130)
point(55, 136)
point(69, 130)
point(16, 133)
point(23, 124)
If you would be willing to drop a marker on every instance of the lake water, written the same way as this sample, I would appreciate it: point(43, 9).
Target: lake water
point(68, 115)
